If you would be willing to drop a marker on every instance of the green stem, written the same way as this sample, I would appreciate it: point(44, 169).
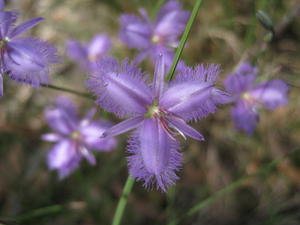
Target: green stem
point(71, 91)
point(230, 188)
point(123, 201)
point(184, 39)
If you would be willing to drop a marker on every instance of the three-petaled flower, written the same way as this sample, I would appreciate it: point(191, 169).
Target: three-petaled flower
point(159, 112)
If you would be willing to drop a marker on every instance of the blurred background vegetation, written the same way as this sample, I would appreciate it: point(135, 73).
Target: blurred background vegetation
point(225, 32)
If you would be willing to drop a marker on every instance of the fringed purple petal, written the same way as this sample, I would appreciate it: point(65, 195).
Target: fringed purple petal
point(120, 89)
point(135, 33)
point(123, 126)
point(192, 94)
point(23, 27)
point(98, 47)
point(245, 117)
point(52, 137)
point(183, 128)
point(155, 157)
point(91, 134)
point(64, 157)
point(28, 60)
point(171, 21)
point(271, 94)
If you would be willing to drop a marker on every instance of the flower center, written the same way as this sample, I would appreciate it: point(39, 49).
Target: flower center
point(3, 42)
point(156, 39)
point(75, 135)
point(93, 57)
point(249, 99)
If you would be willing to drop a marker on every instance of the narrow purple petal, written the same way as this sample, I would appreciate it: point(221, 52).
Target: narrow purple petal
point(159, 76)
point(271, 94)
point(98, 47)
point(155, 157)
point(7, 21)
point(91, 133)
point(123, 126)
point(25, 26)
point(88, 155)
point(2, 5)
point(77, 52)
point(120, 89)
point(245, 117)
point(64, 158)
point(65, 104)
point(60, 121)
point(245, 68)
point(171, 20)
point(181, 126)
point(51, 137)
point(135, 33)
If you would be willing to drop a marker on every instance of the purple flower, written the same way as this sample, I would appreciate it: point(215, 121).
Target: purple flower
point(153, 38)
point(159, 112)
point(24, 59)
point(74, 137)
point(87, 55)
point(250, 97)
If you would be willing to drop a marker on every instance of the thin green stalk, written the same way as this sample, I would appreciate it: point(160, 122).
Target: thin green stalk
point(123, 201)
point(230, 188)
point(184, 39)
point(71, 91)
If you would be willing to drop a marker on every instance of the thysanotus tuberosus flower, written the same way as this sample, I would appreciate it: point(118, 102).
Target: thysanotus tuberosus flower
point(24, 59)
point(153, 38)
point(75, 138)
point(159, 111)
point(87, 55)
point(249, 96)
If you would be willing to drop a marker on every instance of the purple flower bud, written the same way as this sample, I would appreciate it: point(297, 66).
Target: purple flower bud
point(158, 111)
point(75, 138)
point(24, 59)
point(250, 97)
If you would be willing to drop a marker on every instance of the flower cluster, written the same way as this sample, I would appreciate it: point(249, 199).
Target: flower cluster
point(75, 138)
point(23, 59)
point(249, 97)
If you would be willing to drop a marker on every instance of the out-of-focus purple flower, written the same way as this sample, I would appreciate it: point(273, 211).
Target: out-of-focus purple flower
point(24, 59)
point(153, 38)
point(75, 138)
point(87, 55)
point(250, 97)
point(159, 112)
